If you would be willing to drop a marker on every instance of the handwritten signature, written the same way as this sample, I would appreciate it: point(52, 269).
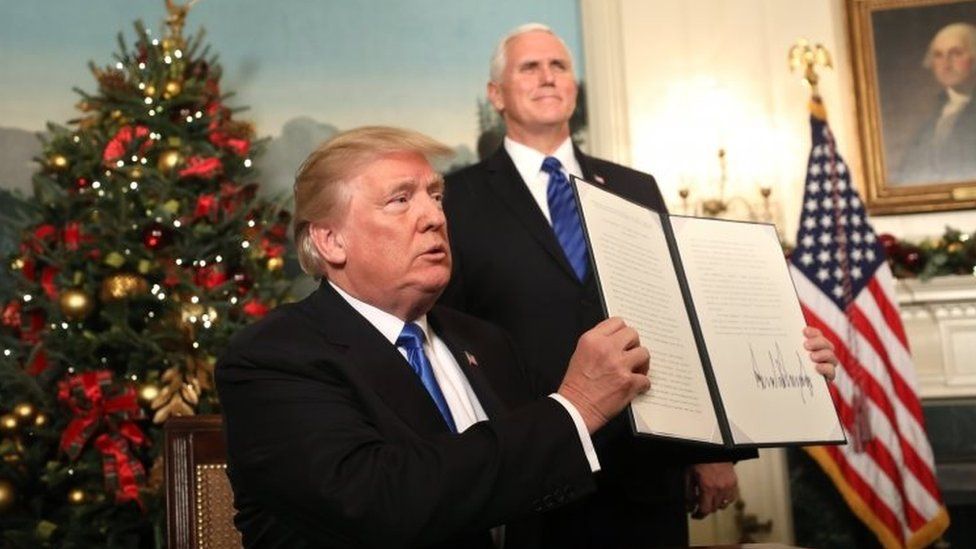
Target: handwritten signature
point(776, 375)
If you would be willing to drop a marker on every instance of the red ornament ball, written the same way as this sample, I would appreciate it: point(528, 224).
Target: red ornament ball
point(912, 259)
point(890, 244)
point(81, 183)
point(157, 236)
point(243, 281)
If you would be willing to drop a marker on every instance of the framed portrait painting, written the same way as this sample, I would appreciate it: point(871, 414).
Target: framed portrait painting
point(915, 74)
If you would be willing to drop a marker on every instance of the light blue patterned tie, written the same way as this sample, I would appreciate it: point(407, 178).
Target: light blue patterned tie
point(411, 339)
point(565, 217)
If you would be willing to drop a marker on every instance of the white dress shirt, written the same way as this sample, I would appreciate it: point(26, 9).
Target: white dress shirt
point(528, 162)
point(460, 397)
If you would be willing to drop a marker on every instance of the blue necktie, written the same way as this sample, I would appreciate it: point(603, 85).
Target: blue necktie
point(411, 339)
point(565, 217)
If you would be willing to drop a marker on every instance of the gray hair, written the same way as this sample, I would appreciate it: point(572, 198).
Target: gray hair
point(965, 31)
point(499, 58)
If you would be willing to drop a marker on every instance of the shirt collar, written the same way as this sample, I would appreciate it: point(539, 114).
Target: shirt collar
point(388, 325)
point(528, 161)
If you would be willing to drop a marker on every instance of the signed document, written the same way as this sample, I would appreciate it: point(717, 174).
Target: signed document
point(714, 303)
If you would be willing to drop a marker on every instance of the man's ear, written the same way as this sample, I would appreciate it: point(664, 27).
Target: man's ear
point(495, 96)
point(329, 243)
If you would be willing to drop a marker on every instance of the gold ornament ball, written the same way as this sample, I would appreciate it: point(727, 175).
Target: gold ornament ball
point(24, 410)
point(17, 264)
point(76, 496)
point(169, 160)
point(954, 247)
point(40, 420)
point(149, 90)
point(172, 89)
point(122, 286)
point(58, 161)
point(135, 173)
point(8, 422)
point(75, 304)
point(148, 392)
point(275, 263)
point(6, 494)
point(190, 313)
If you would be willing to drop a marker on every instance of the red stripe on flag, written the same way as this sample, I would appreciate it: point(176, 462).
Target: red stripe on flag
point(878, 507)
point(919, 469)
point(906, 396)
point(885, 462)
point(900, 386)
point(889, 311)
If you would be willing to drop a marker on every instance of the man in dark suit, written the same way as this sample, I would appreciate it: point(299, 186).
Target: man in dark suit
point(944, 148)
point(364, 415)
point(520, 262)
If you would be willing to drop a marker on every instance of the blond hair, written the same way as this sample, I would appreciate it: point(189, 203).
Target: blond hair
point(320, 184)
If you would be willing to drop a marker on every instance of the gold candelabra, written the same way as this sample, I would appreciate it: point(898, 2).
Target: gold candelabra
point(720, 206)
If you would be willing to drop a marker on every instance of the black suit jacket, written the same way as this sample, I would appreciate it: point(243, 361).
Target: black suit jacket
point(928, 161)
point(333, 440)
point(510, 270)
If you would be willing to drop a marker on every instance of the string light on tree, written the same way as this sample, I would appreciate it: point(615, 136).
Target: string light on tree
point(77, 496)
point(7, 495)
point(8, 423)
point(75, 304)
point(24, 410)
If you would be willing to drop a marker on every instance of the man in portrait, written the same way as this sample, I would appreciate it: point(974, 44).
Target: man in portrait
point(944, 148)
point(366, 416)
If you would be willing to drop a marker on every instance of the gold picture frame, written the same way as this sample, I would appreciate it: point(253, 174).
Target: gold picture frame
point(919, 152)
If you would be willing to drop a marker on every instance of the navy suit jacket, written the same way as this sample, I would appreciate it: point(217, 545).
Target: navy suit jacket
point(334, 442)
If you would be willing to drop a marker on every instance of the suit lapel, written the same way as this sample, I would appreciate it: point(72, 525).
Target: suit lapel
point(378, 361)
point(586, 165)
point(462, 350)
point(506, 182)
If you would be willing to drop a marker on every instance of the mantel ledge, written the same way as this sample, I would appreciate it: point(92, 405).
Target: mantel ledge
point(954, 288)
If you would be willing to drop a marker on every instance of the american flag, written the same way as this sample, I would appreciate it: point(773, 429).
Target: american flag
point(886, 472)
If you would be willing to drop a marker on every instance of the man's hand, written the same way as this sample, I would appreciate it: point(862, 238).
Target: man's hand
point(607, 370)
point(821, 352)
point(714, 487)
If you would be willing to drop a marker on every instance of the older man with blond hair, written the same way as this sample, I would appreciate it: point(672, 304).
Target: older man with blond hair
point(364, 415)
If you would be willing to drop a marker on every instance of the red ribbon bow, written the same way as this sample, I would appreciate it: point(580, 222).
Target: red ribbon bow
point(236, 145)
point(117, 146)
point(204, 168)
point(97, 403)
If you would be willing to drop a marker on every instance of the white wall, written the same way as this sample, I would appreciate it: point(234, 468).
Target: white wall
point(671, 81)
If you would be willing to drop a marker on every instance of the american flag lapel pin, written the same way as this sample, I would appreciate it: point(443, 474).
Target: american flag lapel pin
point(472, 361)
point(599, 179)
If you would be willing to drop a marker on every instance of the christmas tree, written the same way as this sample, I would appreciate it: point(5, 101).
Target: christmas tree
point(147, 248)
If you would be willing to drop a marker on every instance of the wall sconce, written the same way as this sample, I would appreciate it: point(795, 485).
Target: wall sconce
point(733, 207)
